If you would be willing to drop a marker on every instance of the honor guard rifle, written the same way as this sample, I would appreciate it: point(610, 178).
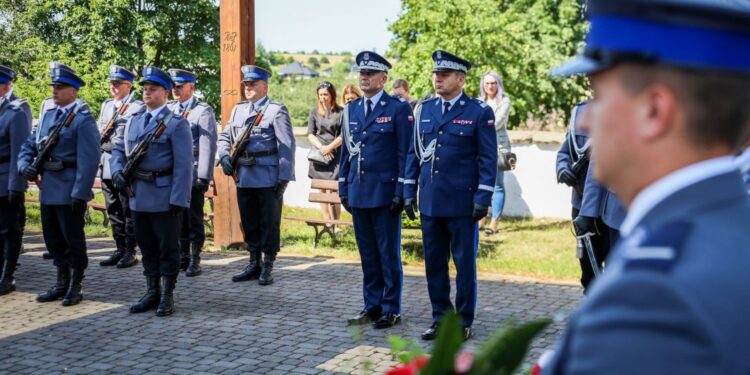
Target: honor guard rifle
point(241, 144)
point(51, 141)
point(139, 152)
point(109, 129)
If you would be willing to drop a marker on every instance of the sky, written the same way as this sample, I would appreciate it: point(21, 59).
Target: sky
point(325, 25)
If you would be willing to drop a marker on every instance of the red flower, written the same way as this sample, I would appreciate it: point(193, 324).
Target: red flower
point(411, 368)
point(464, 362)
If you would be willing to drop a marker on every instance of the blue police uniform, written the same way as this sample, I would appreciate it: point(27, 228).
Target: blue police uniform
point(666, 304)
point(15, 126)
point(66, 181)
point(161, 186)
point(453, 159)
point(112, 119)
point(377, 133)
point(264, 169)
point(203, 129)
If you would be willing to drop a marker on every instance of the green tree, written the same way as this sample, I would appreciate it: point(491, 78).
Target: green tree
point(313, 62)
point(324, 60)
point(520, 39)
point(90, 35)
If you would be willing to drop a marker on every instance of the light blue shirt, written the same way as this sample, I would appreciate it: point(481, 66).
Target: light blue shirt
point(452, 101)
point(375, 99)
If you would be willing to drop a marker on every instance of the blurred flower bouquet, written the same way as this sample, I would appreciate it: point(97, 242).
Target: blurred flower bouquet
point(502, 353)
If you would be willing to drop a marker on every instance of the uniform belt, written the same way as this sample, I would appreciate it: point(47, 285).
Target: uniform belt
point(58, 165)
point(248, 158)
point(4, 159)
point(149, 176)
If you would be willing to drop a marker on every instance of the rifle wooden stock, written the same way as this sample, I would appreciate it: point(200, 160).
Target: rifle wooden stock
point(110, 127)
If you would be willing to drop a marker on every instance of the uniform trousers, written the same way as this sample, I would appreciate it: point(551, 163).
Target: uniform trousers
point(602, 243)
point(12, 220)
point(192, 220)
point(378, 235)
point(62, 229)
point(443, 237)
point(260, 213)
point(157, 234)
point(118, 211)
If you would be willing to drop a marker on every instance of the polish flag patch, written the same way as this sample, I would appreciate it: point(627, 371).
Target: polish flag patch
point(410, 118)
point(491, 123)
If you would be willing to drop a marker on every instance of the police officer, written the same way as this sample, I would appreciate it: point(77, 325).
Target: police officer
point(265, 167)
point(454, 160)
point(203, 129)
point(15, 126)
point(67, 177)
point(674, 298)
point(114, 113)
point(160, 187)
point(377, 133)
point(573, 160)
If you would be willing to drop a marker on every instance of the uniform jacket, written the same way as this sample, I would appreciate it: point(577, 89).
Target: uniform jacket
point(105, 114)
point(203, 130)
point(674, 299)
point(613, 212)
point(173, 150)
point(567, 156)
point(464, 166)
point(79, 143)
point(15, 127)
point(273, 132)
point(375, 176)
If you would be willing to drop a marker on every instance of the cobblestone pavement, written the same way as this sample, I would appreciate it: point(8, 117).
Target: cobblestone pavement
point(295, 326)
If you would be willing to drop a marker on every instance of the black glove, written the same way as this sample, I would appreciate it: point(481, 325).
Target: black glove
point(119, 180)
point(397, 205)
point(410, 206)
point(175, 210)
point(201, 185)
point(29, 172)
point(345, 203)
point(78, 206)
point(567, 177)
point(226, 165)
point(15, 198)
point(480, 212)
point(584, 224)
point(280, 188)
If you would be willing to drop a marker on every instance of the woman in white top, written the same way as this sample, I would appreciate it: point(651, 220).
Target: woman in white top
point(492, 92)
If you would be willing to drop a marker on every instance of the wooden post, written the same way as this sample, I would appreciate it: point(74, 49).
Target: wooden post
point(237, 27)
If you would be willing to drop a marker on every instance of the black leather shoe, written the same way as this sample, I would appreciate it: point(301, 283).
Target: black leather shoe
point(468, 333)
point(266, 271)
point(74, 294)
point(46, 255)
point(194, 268)
point(430, 333)
point(387, 320)
point(128, 259)
point(8, 281)
point(113, 259)
point(364, 317)
point(59, 289)
point(251, 270)
point(150, 300)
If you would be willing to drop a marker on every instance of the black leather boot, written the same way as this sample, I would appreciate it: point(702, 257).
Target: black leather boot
point(252, 269)
point(128, 259)
point(74, 294)
point(166, 304)
point(184, 255)
point(194, 268)
point(7, 281)
point(150, 300)
point(59, 289)
point(116, 255)
point(266, 275)
point(47, 255)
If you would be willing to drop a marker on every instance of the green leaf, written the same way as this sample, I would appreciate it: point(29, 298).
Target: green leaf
point(504, 351)
point(449, 340)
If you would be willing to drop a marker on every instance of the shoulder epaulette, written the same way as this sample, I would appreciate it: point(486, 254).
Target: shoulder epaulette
point(172, 102)
point(243, 101)
point(431, 99)
point(278, 103)
point(659, 249)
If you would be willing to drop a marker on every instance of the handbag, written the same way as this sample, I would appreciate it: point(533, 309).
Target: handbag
point(314, 156)
point(506, 161)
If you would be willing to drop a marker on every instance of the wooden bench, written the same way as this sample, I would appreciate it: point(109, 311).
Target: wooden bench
point(323, 226)
point(101, 207)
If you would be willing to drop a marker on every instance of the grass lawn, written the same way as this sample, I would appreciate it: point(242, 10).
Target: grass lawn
point(539, 248)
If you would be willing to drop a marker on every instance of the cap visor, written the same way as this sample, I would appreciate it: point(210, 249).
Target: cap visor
point(577, 66)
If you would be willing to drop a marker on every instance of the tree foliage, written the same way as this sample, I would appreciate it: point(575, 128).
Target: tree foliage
point(89, 35)
point(520, 39)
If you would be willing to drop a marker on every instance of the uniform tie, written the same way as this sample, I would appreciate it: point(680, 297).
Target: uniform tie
point(148, 119)
point(368, 110)
point(446, 107)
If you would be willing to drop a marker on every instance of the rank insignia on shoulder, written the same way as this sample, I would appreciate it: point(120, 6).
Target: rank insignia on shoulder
point(382, 102)
point(659, 249)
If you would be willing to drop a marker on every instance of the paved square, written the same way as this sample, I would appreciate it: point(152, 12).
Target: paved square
point(295, 326)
